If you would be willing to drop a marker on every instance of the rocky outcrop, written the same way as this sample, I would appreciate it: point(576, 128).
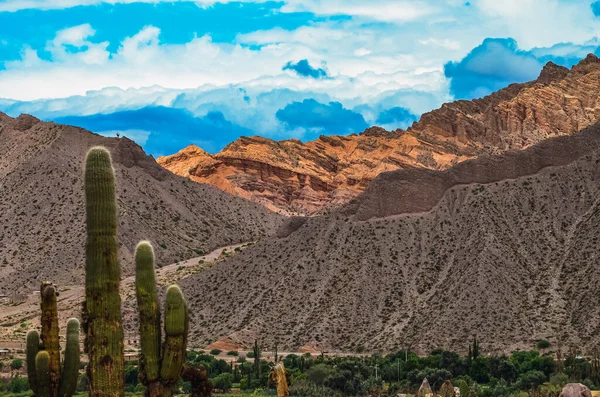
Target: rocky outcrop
point(307, 178)
point(576, 390)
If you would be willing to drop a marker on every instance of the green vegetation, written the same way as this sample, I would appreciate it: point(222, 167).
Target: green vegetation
point(542, 344)
point(161, 365)
point(215, 352)
point(102, 307)
point(527, 372)
point(46, 376)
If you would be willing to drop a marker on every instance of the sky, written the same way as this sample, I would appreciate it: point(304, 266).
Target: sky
point(168, 74)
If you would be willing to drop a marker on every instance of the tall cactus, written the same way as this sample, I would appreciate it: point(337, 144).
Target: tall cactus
point(46, 377)
point(49, 335)
point(159, 372)
point(102, 308)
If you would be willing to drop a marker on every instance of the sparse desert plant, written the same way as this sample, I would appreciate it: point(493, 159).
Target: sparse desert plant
point(46, 376)
point(542, 344)
point(160, 368)
point(102, 307)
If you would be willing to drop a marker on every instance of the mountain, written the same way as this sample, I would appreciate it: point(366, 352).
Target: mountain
point(502, 247)
point(307, 178)
point(42, 232)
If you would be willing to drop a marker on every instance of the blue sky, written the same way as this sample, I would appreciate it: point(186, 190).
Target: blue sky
point(171, 73)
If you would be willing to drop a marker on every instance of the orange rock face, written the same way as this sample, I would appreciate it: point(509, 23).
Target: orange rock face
point(306, 178)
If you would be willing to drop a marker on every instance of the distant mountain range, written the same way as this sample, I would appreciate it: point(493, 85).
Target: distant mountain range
point(307, 178)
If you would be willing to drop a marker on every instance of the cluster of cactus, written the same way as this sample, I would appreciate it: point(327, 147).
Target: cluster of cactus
point(161, 364)
point(159, 370)
point(46, 377)
point(102, 307)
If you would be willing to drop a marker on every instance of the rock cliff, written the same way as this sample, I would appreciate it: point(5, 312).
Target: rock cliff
point(307, 178)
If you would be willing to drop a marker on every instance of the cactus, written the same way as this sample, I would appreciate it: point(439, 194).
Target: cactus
point(159, 372)
point(102, 307)
point(257, 365)
point(49, 336)
point(42, 365)
point(46, 377)
point(32, 348)
point(70, 373)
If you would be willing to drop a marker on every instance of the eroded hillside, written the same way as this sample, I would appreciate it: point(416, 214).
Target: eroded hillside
point(42, 232)
point(505, 248)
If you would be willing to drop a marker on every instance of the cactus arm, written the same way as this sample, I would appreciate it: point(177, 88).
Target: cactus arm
point(42, 367)
point(149, 312)
point(70, 373)
point(49, 335)
point(32, 349)
point(176, 325)
point(104, 328)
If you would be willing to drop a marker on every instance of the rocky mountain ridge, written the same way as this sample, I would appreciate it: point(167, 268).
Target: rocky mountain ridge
point(505, 248)
point(306, 178)
point(42, 236)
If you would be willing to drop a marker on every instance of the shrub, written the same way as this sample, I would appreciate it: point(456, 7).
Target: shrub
point(542, 344)
point(16, 364)
point(18, 384)
point(232, 353)
point(215, 352)
point(223, 382)
point(531, 380)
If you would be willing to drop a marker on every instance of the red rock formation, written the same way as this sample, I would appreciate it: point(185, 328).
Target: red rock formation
point(293, 177)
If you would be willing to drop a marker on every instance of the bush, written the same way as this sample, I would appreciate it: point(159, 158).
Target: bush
point(232, 353)
point(83, 384)
point(542, 344)
point(223, 382)
point(250, 354)
point(531, 380)
point(16, 364)
point(319, 373)
point(18, 384)
point(215, 352)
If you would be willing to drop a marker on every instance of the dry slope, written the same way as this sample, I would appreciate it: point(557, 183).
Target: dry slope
point(502, 247)
point(42, 234)
point(297, 177)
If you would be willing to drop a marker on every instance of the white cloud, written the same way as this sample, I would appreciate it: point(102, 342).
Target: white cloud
point(16, 5)
point(77, 36)
point(540, 23)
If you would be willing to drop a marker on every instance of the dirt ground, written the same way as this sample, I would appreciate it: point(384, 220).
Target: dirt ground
point(17, 319)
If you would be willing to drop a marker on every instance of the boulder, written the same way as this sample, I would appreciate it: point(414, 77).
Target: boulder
point(575, 390)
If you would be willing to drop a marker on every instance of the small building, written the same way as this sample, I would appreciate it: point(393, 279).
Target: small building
point(131, 357)
point(4, 352)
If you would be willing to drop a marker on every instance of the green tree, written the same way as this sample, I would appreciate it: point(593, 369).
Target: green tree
point(223, 382)
point(319, 373)
point(531, 380)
